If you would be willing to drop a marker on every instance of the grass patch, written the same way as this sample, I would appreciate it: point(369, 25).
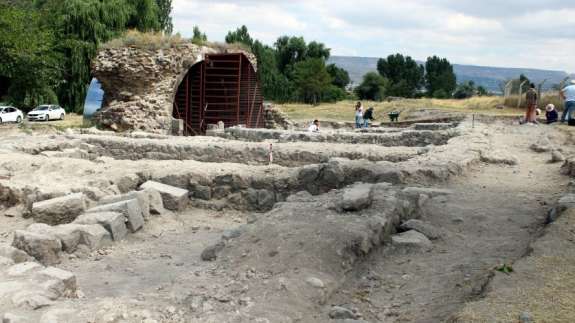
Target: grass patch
point(344, 110)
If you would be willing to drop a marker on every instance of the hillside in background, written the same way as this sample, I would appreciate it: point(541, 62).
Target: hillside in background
point(488, 77)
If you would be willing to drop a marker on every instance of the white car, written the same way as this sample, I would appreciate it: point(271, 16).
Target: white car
point(10, 114)
point(47, 112)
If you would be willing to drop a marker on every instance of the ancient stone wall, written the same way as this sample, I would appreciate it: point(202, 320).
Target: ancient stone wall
point(140, 84)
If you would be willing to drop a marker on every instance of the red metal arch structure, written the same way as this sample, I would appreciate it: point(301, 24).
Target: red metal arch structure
point(222, 87)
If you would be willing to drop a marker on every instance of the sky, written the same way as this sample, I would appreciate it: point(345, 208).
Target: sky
point(506, 33)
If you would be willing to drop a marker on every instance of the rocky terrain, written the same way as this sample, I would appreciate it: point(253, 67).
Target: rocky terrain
point(256, 225)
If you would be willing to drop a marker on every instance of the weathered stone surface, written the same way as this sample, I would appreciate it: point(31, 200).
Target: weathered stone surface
point(140, 84)
point(211, 252)
point(156, 203)
point(315, 282)
point(13, 318)
point(200, 191)
point(425, 228)
point(45, 248)
point(59, 210)
point(128, 183)
point(356, 198)
point(557, 157)
point(93, 236)
point(429, 191)
point(59, 315)
point(174, 198)
point(141, 196)
point(23, 269)
point(15, 254)
point(231, 234)
point(113, 222)
point(130, 209)
point(32, 299)
point(5, 262)
point(565, 202)
point(498, 157)
point(339, 313)
point(66, 278)
point(411, 240)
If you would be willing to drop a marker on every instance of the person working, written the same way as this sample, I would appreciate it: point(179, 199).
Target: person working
point(531, 96)
point(568, 94)
point(358, 115)
point(314, 126)
point(551, 114)
point(367, 117)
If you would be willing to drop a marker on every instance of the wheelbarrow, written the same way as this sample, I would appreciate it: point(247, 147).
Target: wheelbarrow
point(393, 116)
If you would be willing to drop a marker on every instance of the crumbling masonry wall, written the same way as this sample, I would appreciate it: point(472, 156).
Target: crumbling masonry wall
point(140, 84)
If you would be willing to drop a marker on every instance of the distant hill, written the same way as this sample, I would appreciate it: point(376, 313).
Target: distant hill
point(488, 77)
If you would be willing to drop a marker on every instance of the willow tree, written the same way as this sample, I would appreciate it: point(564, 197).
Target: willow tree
point(28, 66)
point(81, 26)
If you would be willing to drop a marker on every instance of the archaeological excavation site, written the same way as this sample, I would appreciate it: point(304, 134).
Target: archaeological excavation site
point(193, 201)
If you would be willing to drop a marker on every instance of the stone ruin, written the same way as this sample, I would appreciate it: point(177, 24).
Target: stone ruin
point(140, 85)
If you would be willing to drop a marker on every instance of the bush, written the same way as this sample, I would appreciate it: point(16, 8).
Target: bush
point(546, 98)
point(441, 94)
point(148, 40)
point(333, 94)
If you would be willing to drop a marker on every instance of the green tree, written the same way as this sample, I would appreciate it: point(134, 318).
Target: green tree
point(164, 15)
point(482, 91)
point(290, 50)
point(28, 66)
point(198, 36)
point(373, 87)
point(339, 75)
point(439, 78)
point(275, 86)
point(317, 50)
point(404, 74)
point(240, 35)
point(465, 90)
point(311, 79)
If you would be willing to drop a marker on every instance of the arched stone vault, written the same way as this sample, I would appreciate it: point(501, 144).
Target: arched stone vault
point(140, 84)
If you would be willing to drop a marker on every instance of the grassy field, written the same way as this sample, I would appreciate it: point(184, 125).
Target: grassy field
point(344, 110)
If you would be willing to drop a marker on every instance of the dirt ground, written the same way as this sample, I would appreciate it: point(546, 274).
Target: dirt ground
point(491, 217)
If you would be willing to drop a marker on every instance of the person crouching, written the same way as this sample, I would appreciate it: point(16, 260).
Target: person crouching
point(551, 114)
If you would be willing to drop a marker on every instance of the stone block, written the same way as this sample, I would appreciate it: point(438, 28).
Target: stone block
point(174, 198)
point(44, 247)
point(59, 210)
point(5, 262)
point(113, 222)
point(411, 240)
point(356, 198)
point(129, 209)
point(15, 254)
point(156, 203)
point(425, 228)
point(94, 236)
point(141, 196)
point(23, 269)
point(65, 278)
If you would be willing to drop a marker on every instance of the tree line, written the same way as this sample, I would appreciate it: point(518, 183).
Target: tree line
point(46, 46)
point(293, 69)
point(401, 76)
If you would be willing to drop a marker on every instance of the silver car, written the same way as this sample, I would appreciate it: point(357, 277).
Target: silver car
point(10, 114)
point(47, 112)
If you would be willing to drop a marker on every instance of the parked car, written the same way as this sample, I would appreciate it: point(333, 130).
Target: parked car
point(47, 112)
point(10, 114)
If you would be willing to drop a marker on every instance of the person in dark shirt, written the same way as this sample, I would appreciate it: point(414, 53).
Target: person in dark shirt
point(368, 116)
point(532, 99)
point(551, 114)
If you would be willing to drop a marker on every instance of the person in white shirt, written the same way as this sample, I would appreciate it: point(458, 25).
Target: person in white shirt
point(358, 115)
point(314, 126)
point(568, 94)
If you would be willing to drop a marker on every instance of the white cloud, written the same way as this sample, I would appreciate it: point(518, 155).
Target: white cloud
point(525, 33)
